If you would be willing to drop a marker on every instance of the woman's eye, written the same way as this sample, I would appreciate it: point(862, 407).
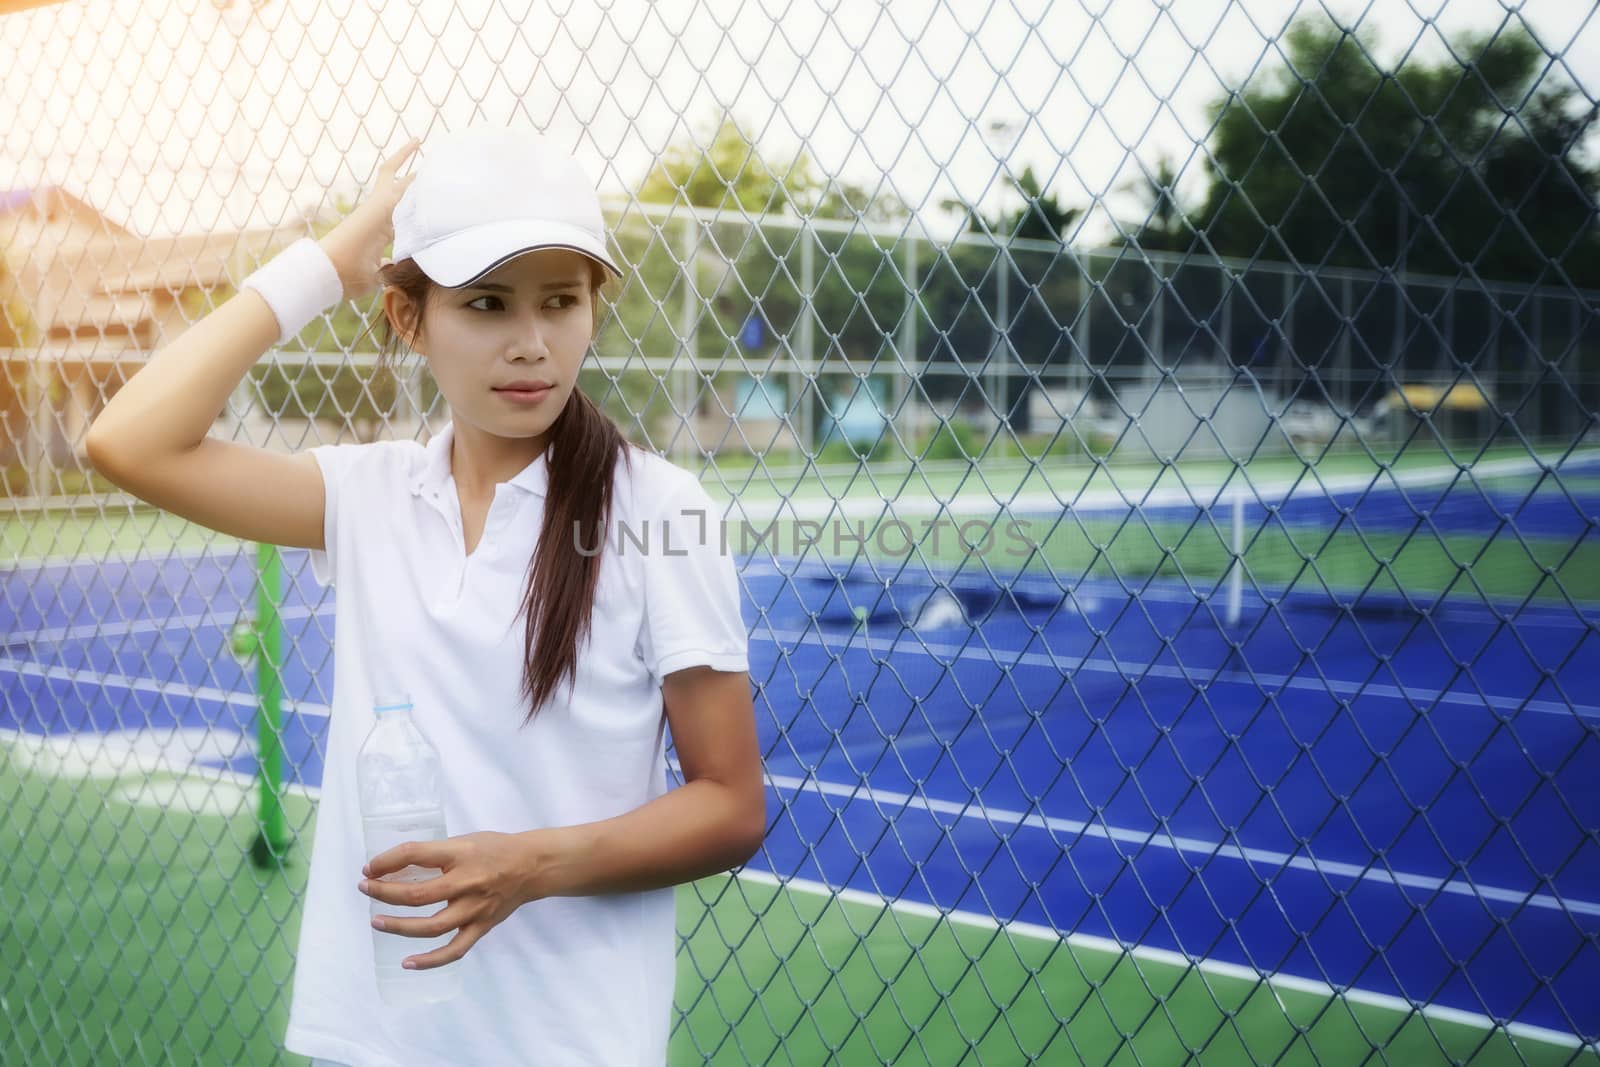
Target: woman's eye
point(559, 303)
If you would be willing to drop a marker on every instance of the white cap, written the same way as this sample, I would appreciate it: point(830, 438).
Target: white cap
point(486, 194)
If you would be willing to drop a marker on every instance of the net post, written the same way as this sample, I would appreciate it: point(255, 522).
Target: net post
point(681, 385)
point(809, 379)
point(1236, 570)
point(271, 842)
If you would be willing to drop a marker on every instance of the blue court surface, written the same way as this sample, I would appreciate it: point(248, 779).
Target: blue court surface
point(1397, 802)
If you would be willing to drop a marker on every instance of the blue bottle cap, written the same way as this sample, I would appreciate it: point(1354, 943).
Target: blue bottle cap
point(397, 701)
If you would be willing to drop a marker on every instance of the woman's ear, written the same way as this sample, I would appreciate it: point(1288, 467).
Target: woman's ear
point(402, 314)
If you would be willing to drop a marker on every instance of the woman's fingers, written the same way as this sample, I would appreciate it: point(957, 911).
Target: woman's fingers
point(442, 922)
point(433, 890)
point(392, 165)
point(394, 161)
point(456, 917)
point(356, 242)
point(457, 947)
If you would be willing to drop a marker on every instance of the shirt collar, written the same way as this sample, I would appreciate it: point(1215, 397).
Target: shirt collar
point(434, 473)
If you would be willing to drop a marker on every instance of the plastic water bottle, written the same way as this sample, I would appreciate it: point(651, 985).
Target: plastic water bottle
point(401, 782)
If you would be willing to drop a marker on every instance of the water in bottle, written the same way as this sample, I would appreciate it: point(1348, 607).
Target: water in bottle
point(402, 799)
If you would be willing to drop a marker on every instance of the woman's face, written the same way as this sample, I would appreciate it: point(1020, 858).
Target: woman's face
point(506, 350)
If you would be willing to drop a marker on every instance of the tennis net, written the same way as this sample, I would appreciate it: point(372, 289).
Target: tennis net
point(1497, 532)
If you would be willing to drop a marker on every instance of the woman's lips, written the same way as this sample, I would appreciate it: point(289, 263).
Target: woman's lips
point(524, 396)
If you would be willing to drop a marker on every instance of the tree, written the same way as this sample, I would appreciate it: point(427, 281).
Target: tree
point(730, 174)
point(1041, 217)
point(727, 174)
point(1472, 164)
point(747, 267)
point(960, 296)
point(1164, 226)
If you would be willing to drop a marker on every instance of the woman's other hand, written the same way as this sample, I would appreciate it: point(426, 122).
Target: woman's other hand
point(484, 878)
point(356, 244)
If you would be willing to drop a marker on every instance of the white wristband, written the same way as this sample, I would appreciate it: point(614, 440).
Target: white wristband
point(298, 284)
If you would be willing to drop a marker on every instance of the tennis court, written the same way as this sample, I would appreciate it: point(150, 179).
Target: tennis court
point(1038, 812)
point(1159, 444)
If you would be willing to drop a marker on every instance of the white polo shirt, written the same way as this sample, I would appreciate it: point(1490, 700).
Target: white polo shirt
point(570, 980)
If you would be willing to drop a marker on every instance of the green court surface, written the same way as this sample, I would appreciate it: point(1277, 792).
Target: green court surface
point(1067, 479)
point(138, 933)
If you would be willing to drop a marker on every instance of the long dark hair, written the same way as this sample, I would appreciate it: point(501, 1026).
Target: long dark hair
point(585, 445)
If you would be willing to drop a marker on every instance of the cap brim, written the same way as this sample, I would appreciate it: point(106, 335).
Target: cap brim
point(465, 257)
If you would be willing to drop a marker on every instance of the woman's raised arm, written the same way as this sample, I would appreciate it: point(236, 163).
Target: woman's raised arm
point(151, 439)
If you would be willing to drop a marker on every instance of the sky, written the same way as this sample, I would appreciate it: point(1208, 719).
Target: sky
point(190, 116)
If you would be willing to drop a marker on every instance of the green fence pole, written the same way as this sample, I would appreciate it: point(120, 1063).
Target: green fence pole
point(271, 844)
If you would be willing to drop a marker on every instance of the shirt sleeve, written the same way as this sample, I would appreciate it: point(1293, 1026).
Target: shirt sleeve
point(336, 462)
point(691, 588)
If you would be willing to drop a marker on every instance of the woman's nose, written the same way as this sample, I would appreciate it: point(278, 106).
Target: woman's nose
point(530, 343)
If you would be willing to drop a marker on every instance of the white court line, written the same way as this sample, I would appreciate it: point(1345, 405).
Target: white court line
point(1259, 681)
point(143, 625)
point(1274, 492)
point(88, 677)
point(126, 753)
point(1251, 857)
point(1101, 588)
point(131, 760)
point(971, 810)
point(1078, 590)
point(1168, 958)
point(45, 564)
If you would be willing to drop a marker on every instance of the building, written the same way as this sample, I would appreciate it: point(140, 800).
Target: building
point(83, 303)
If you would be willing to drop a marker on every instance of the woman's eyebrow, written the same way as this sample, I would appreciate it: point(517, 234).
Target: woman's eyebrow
point(547, 287)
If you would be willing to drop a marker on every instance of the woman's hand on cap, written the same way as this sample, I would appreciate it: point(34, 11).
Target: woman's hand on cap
point(356, 244)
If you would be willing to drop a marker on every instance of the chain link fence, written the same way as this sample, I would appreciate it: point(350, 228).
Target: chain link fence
point(1164, 445)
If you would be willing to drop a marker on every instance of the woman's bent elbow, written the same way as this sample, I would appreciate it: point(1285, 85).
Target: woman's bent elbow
point(100, 452)
point(752, 831)
point(109, 456)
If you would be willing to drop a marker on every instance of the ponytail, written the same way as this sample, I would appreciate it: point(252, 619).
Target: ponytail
point(558, 605)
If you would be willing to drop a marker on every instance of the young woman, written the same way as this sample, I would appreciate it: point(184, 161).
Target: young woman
point(549, 596)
